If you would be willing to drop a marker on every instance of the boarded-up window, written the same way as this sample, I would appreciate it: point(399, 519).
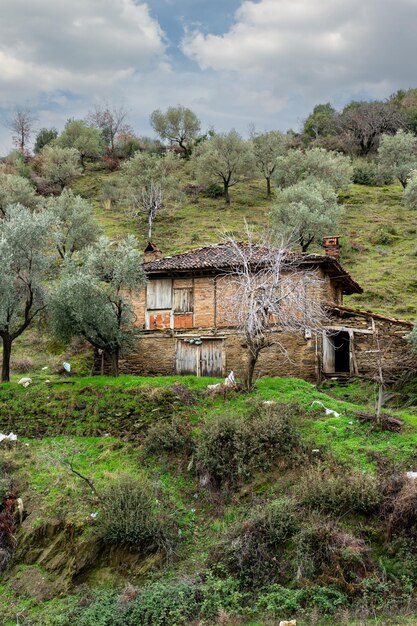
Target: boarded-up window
point(183, 300)
point(159, 294)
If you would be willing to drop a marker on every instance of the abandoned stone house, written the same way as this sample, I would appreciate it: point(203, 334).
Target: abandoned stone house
point(181, 313)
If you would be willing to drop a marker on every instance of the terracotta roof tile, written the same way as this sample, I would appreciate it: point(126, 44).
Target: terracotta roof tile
point(221, 257)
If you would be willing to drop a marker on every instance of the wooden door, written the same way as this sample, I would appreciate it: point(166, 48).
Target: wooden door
point(199, 360)
point(328, 353)
point(211, 358)
point(187, 358)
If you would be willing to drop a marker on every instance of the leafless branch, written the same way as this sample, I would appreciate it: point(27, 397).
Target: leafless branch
point(272, 295)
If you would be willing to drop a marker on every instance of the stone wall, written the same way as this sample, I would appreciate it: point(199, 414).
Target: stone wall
point(298, 356)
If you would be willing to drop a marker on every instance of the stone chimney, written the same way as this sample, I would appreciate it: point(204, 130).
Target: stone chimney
point(332, 246)
point(151, 253)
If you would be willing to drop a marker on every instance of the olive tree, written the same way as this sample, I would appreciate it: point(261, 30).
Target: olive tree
point(25, 267)
point(88, 140)
point(316, 163)
point(224, 158)
point(73, 224)
point(60, 166)
point(16, 190)
point(178, 125)
point(151, 184)
point(306, 212)
point(397, 155)
point(93, 297)
point(267, 148)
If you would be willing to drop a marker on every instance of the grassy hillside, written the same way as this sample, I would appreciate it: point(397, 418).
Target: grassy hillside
point(65, 574)
point(379, 233)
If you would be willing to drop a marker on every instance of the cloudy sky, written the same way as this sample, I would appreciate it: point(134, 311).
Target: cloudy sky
point(234, 62)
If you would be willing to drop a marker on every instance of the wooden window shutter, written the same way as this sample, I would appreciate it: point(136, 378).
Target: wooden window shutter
point(159, 294)
point(183, 300)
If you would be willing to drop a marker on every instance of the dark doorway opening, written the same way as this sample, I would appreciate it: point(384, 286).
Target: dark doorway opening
point(341, 342)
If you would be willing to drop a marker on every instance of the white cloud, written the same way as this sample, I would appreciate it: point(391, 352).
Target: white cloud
point(314, 49)
point(83, 45)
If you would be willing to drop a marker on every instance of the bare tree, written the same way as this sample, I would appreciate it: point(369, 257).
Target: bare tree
point(363, 123)
point(111, 121)
point(272, 295)
point(22, 126)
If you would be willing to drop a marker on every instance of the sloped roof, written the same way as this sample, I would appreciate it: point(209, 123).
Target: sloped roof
point(222, 256)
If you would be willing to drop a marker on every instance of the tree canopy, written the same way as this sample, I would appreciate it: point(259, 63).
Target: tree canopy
point(306, 212)
point(151, 184)
point(44, 137)
point(16, 190)
point(224, 158)
point(88, 140)
point(73, 224)
point(25, 266)
point(60, 166)
point(267, 147)
point(397, 155)
point(178, 125)
point(315, 163)
point(92, 298)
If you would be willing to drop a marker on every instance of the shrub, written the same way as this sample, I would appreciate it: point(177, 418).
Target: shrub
point(102, 610)
point(326, 599)
point(383, 236)
point(218, 594)
point(368, 173)
point(214, 190)
point(280, 600)
point(131, 516)
point(22, 365)
point(402, 508)
point(326, 551)
point(254, 550)
point(169, 436)
point(340, 491)
point(232, 448)
point(165, 604)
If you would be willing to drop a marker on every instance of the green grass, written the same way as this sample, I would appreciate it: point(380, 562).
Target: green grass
point(51, 491)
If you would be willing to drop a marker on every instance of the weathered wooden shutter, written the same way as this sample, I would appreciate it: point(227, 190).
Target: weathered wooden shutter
point(159, 294)
point(183, 300)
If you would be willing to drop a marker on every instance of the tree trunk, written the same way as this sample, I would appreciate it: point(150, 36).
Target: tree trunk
point(150, 224)
point(7, 351)
point(226, 192)
point(250, 371)
point(114, 362)
point(268, 186)
point(379, 404)
point(82, 162)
